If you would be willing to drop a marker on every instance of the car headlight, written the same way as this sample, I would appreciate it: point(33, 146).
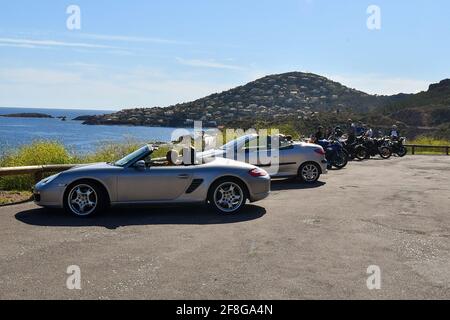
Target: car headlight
point(50, 179)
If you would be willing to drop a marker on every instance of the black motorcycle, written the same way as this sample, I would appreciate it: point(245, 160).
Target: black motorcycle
point(372, 147)
point(335, 153)
point(350, 146)
point(397, 146)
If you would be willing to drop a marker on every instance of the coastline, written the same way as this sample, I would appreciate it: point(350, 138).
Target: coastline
point(16, 132)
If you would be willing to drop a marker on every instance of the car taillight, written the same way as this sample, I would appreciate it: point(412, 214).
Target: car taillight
point(257, 172)
point(319, 151)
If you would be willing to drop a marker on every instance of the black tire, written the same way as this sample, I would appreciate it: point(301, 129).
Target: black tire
point(361, 153)
point(309, 172)
point(343, 161)
point(385, 152)
point(402, 151)
point(215, 196)
point(75, 202)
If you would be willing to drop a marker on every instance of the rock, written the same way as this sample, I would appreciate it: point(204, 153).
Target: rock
point(26, 115)
point(443, 85)
point(83, 118)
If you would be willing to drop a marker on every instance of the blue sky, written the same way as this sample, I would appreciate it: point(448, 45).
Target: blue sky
point(141, 53)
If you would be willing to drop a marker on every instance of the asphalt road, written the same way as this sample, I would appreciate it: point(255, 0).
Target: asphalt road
point(300, 243)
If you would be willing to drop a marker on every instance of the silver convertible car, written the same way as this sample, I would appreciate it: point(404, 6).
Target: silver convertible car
point(137, 179)
point(279, 156)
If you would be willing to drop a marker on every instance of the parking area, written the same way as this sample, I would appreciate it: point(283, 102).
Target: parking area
point(302, 242)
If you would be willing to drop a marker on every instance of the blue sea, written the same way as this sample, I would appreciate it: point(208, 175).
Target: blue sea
point(77, 137)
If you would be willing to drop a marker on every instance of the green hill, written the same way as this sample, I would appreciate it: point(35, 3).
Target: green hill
point(303, 99)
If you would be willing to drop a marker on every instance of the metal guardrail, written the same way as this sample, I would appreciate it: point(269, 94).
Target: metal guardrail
point(413, 147)
point(37, 171)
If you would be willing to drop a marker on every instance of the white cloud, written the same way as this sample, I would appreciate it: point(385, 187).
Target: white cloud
point(106, 37)
point(30, 43)
point(100, 90)
point(78, 64)
point(23, 46)
point(207, 64)
point(382, 85)
point(38, 77)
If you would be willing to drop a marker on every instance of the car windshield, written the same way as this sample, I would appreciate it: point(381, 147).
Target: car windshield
point(236, 142)
point(139, 154)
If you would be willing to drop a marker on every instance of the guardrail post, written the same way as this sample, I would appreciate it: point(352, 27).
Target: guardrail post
point(37, 176)
point(413, 150)
point(447, 149)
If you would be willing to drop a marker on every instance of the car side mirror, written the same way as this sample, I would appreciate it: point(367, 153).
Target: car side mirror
point(140, 165)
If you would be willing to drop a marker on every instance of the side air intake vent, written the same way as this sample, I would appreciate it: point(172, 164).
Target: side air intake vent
point(194, 185)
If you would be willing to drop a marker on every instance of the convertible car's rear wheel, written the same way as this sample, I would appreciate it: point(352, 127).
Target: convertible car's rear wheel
point(309, 172)
point(84, 199)
point(227, 196)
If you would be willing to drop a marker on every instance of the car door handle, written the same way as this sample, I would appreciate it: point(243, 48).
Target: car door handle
point(183, 176)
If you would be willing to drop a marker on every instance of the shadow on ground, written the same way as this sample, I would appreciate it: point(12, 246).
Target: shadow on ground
point(121, 217)
point(294, 184)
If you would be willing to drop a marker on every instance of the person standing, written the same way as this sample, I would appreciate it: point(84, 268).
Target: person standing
point(328, 133)
point(394, 134)
point(351, 131)
point(338, 133)
point(319, 134)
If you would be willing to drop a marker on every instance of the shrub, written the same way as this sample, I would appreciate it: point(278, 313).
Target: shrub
point(36, 153)
point(430, 141)
point(109, 152)
point(51, 152)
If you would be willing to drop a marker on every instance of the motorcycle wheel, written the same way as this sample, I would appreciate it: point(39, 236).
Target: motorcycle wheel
point(361, 153)
point(385, 152)
point(402, 152)
point(341, 161)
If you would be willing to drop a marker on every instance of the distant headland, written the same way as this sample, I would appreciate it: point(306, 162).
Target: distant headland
point(26, 115)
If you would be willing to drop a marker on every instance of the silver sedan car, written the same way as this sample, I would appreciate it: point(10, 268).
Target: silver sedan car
point(136, 179)
point(282, 159)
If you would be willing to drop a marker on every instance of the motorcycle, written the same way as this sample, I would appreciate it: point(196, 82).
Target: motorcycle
point(372, 147)
point(397, 146)
point(335, 153)
point(350, 146)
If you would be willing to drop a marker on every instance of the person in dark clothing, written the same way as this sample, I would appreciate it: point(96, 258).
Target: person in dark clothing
point(351, 131)
point(319, 134)
point(329, 133)
point(338, 132)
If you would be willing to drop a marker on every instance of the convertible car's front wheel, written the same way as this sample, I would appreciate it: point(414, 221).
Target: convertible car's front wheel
point(84, 199)
point(227, 196)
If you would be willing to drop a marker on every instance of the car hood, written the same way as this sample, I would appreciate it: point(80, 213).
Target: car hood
point(89, 167)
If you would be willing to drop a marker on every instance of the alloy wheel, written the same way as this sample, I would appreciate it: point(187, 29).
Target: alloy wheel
point(228, 197)
point(82, 200)
point(309, 172)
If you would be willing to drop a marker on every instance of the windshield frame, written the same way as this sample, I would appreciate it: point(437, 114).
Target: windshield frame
point(241, 140)
point(133, 157)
